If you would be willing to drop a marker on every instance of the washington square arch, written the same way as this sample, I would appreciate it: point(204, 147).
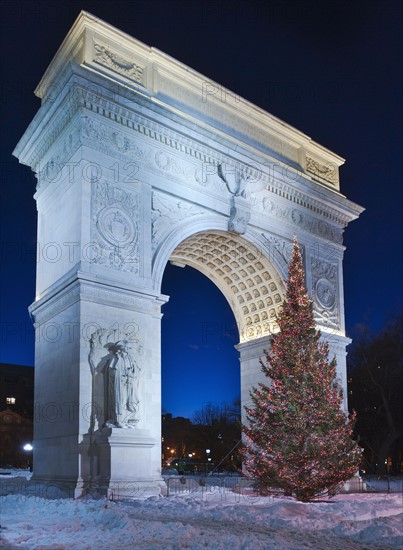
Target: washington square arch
point(139, 161)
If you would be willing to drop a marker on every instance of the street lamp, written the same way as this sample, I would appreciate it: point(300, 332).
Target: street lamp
point(28, 449)
point(208, 455)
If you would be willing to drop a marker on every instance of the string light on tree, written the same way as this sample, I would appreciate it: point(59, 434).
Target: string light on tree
point(298, 436)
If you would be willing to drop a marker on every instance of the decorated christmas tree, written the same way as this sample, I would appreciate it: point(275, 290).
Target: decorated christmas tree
point(298, 436)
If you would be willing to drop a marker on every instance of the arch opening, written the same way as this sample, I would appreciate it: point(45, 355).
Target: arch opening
point(199, 362)
point(249, 287)
point(245, 276)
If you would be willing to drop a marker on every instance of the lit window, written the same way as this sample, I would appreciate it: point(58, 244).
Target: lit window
point(10, 400)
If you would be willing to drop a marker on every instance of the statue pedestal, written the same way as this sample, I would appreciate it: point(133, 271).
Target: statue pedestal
point(116, 463)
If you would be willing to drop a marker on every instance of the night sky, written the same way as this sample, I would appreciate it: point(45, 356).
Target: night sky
point(330, 69)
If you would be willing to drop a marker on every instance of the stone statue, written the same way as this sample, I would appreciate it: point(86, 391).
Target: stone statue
point(116, 380)
point(121, 382)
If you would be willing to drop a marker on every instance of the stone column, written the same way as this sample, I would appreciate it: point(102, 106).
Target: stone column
point(98, 391)
point(250, 353)
point(337, 348)
point(98, 322)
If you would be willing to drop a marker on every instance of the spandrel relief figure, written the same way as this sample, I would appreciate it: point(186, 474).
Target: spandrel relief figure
point(116, 380)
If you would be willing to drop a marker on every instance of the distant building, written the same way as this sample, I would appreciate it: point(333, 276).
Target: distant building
point(176, 437)
point(15, 432)
point(17, 389)
point(16, 414)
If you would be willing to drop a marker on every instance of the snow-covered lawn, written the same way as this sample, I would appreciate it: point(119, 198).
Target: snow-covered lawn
point(199, 520)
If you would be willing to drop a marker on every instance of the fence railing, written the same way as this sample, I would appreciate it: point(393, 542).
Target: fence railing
point(228, 488)
point(236, 487)
point(383, 484)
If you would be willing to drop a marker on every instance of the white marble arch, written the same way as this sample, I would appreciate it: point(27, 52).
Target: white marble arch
point(141, 160)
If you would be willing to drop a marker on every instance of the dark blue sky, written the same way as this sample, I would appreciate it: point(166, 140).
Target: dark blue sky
point(331, 69)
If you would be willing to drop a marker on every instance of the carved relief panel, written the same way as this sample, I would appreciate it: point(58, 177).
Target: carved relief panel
point(325, 293)
point(166, 212)
point(135, 72)
point(115, 227)
point(116, 367)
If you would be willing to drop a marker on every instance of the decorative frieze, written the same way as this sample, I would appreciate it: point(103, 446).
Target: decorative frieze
point(121, 140)
point(211, 160)
point(302, 220)
point(58, 167)
point(207, 175)
point(110, 139)
point(172, 166)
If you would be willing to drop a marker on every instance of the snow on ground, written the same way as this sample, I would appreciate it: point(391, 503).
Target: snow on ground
point(200, 520)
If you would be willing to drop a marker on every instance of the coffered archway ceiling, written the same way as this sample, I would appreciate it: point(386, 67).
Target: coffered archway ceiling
point(245, 276)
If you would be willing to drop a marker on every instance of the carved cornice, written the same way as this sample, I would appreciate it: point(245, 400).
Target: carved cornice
point(45, 309)
point(104, 50)
point(98, 294)
point(65, 112)
point(337, 343)
point(82, 288)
